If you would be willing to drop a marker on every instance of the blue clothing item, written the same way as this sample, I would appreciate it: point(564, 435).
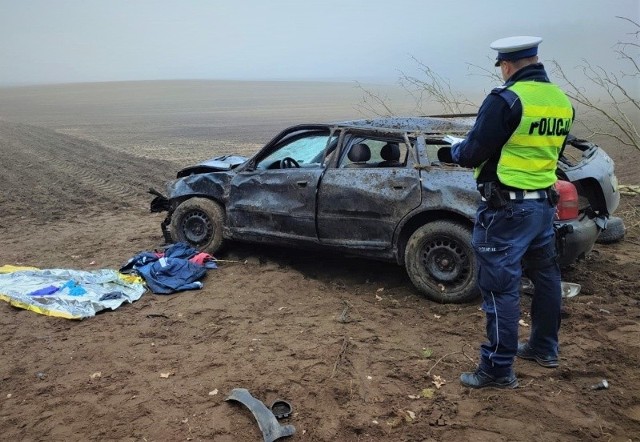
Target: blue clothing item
point(498, 117)
point(139, 260)
point(48, 290)
point(502, 238)
point(169, 275)
point(73, 288)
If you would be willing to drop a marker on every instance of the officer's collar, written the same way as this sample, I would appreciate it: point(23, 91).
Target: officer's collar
point(531, 72)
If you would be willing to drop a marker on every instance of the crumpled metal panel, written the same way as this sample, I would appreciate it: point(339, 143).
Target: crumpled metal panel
point(213, 185)
point(274, 202)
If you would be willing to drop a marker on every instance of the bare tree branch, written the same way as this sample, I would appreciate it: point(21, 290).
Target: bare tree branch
point(621, 100)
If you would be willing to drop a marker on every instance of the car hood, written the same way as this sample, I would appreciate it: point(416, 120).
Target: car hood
point(224, 162)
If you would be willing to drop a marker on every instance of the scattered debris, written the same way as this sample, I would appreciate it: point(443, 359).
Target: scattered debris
point(602, 385)
point(271, 429)
point(9, 395)
point(427, 353)
point(213, 392)
point(427, 393)
point(437, 316)
point(41, 375)
point(438, 381)
point(281, 409)
point(96, 375)
point(602, 310)
point(378, 298)
point(522, 323)
point(166, 375)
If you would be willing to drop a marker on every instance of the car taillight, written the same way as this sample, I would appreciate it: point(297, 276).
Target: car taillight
point(568, 203)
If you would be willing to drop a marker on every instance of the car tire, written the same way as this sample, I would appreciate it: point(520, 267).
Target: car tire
point(440, 262)
point(613, 233)
point(199, 223)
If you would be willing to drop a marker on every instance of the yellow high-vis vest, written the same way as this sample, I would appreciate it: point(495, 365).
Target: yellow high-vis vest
point(529, 158)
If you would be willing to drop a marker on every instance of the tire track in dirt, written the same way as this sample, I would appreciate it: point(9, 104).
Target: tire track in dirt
point(46, 175)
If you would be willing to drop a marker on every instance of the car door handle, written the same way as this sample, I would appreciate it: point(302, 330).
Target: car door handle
point(302, 183)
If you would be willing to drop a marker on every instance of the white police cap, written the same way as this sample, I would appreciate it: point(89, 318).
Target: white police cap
point(515, 48)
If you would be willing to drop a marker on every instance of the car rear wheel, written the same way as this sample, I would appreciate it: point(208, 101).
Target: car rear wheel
point(199, 223)
point(440, 263)
point(614, 231)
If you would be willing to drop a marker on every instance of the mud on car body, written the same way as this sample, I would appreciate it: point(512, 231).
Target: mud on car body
point(373, 188)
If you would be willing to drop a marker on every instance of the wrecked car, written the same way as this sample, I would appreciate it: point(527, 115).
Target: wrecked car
point(376, 189)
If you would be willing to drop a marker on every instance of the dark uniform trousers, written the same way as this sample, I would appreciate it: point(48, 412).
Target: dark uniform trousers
point(504, 239)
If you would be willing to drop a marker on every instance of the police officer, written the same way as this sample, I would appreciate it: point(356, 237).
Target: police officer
point(514, 147)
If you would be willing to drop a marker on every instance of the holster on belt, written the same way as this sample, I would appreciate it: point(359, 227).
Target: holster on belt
point(553, 195)
point(493, 194)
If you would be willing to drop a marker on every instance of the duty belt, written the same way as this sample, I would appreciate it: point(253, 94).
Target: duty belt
point(522, 194)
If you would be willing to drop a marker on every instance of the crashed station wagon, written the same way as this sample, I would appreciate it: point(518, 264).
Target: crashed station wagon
point(373, 188)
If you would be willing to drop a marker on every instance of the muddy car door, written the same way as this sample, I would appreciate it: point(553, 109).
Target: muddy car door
point(366, 191)
point(276, 196)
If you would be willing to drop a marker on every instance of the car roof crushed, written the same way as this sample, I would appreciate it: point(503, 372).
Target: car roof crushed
point(439, 124)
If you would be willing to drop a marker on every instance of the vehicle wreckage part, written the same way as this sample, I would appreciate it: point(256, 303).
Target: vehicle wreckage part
point(281, 409)
point(271, 429)
point(568, 289)
point(198, 222)
point(614, 231)
point(440, 263)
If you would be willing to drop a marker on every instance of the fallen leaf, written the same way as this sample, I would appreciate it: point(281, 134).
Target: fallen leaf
point(428, 393)
point(378, 298)
point(165, 375)
point(394, 422)
point(522, 323)
point(411, 414)
point(97, 374)
point(438, 381)
point(414, 396)
point(213, 392)
point(427, 353)
point(437, 316)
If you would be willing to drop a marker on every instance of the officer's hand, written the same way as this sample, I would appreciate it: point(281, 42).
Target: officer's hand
point(444, 155)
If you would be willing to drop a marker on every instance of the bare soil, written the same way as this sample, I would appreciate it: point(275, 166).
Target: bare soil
point(348, 342)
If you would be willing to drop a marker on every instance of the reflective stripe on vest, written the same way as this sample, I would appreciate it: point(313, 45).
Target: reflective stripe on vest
point(529, 158)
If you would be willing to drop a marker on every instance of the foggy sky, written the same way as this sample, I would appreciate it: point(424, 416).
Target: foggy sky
point(48, 41)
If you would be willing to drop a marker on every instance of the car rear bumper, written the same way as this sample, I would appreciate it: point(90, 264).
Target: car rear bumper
point(575, 239)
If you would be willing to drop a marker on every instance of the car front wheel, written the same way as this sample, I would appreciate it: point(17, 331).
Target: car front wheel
point(199, 223)
point(440, 262)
